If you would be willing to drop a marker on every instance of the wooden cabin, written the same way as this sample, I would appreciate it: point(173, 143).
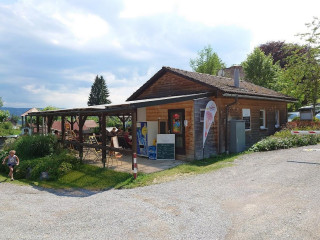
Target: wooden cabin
point(262, 110)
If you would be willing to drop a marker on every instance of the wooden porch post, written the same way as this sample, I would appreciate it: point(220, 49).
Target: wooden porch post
point(38, 128)
point(134, 135)
point(49, 123)
point(63, 131)
point(104, 139)
point(72, 122)
point(124, 123)
point(31, 125)
point(82, 119)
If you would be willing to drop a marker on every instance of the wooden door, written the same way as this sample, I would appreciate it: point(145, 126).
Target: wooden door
point(176, 126)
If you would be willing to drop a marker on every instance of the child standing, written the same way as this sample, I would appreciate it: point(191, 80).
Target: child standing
point(13, 160)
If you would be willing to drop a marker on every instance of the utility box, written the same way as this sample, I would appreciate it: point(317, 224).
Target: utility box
point(237, 136)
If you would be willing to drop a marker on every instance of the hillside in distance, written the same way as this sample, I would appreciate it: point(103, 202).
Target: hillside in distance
point(15, 111)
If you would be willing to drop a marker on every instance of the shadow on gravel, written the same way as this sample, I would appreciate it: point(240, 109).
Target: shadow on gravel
point(304, 162)
point(68, 192)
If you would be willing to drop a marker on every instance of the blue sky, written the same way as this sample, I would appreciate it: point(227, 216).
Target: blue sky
point(51, 51)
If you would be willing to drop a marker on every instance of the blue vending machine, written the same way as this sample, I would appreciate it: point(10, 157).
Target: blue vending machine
point(142, 139)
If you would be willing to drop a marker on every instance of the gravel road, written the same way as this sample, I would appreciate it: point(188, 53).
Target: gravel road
point(271, 195)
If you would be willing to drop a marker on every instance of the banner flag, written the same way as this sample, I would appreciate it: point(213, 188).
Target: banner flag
point(209, 114)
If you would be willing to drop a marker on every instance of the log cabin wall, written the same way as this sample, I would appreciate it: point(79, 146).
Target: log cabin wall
point(255, 134)
point(160, 112)
point(172, 85)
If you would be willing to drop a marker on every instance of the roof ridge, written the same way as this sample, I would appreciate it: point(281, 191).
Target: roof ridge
point(207, 74)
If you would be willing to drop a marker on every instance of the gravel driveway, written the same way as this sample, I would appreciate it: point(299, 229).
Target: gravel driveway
point(271, 195)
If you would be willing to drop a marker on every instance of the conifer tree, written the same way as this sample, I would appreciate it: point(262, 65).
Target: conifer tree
point(99, 92)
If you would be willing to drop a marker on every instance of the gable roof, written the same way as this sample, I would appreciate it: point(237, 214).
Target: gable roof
point(224, 84)
point(31, 110)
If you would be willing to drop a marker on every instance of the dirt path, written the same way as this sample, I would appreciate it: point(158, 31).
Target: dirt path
point(271, 195)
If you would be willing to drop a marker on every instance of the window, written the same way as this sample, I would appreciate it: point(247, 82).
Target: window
point(202, 111)
point(246, 116)
point(277, 119)
point(262, 119)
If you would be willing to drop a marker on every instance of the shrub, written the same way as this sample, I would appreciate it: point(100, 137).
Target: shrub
point(35, 146)
point(283, 140)
point(303, 125)
point(54, 165)
point(6, 128)
point(3, 154)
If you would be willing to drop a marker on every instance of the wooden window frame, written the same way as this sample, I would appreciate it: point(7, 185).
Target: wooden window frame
point(263, 118)
point(277, 119)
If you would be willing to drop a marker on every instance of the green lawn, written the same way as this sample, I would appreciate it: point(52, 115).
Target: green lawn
point(94, 178)
point(190, 168)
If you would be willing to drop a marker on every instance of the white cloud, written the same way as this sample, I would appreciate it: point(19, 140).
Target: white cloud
point(82, 26)
point(267, 20)
point(57, 23)
point(63, 97)
point(143, 8)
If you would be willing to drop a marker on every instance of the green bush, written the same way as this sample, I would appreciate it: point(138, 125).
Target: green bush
point(283, 140)
point(3, 154)
point(35, 146)
point(6, 128)
point(54, 165)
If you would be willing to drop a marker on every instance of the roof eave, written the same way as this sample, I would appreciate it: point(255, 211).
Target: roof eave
point(260, 97)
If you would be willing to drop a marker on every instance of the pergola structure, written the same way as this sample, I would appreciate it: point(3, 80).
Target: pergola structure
point(123, 111)
point(81, 114)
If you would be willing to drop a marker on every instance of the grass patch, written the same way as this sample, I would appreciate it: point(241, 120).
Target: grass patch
point(191, 168)
point(86, 177)
point(94, 178)
point(4, 178)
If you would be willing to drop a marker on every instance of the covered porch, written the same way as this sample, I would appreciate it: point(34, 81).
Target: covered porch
point(102, 150)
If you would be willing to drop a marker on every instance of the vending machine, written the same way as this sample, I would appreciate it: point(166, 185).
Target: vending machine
point(146, 136)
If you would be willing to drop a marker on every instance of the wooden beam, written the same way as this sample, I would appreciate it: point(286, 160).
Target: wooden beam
point(82, 120)
point(37, 122)
point(49, 123)
point(104, 139)
point(134, 134)
point(31, 125)
point(63, 131)
point(99, 146)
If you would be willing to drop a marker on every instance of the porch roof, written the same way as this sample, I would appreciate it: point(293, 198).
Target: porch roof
point(126, 107)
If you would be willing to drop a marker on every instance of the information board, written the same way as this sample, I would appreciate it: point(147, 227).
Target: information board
point(166, 147)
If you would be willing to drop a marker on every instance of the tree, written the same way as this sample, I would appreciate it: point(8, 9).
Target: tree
point(259, 69)
point(304, 69)
point(4, 115)
point(99, 92)
point(207, 62)
point(14, 119)
point(280, 51)
point(49, 108)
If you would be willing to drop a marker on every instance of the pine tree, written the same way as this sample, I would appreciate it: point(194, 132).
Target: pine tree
point(99, 92)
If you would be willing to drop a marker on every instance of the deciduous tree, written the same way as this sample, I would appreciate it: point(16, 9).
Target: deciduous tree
point(280, 51)
point(259, 69)
point(304, 69)
point(207, 62)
